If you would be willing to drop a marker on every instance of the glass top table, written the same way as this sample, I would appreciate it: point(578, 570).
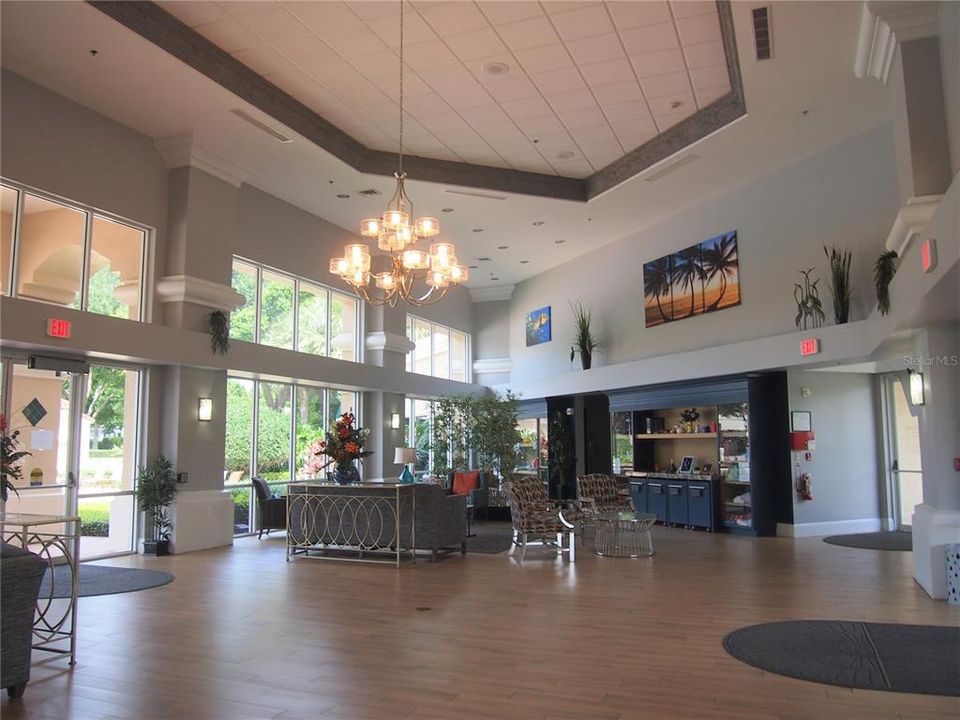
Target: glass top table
point(623, 534)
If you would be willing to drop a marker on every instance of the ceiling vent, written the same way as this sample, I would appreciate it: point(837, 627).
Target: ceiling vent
point(486, 196)
point(369, 192)
point(761, 33)
point(275, 134)
point(666, 170)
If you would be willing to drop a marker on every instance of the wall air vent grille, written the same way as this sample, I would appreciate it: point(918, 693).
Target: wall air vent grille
point(667, 169)
point(761, 33)
point(262, 126)
point(486, 196)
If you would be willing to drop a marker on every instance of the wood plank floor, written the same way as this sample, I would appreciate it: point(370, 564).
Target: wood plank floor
point(241, 634)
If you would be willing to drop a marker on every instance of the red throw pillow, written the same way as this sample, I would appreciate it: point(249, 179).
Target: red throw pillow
point(464, 482)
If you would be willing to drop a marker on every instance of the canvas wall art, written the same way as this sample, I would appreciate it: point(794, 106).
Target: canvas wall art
point(699, 279)
point(538, 326)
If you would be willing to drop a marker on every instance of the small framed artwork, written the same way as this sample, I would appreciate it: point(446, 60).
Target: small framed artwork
point(800, 421)
point(538, 326)
point(706, 469)
point(686, 465)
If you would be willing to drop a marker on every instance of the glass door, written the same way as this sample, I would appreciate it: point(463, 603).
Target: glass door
point(37, 405)
point(905, 475)
point(82, 435)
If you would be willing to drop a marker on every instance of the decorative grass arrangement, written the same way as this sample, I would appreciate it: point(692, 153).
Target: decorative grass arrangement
point(809, 306)
point(883, 273)
point(840, 286)
point(219, 325)
point(583, 340)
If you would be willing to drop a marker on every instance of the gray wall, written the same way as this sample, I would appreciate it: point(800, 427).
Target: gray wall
point(845, 195)
point(846, 472)
point(950, 67)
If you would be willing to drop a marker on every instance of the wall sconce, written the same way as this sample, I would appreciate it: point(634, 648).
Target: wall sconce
point(395, 421)
point(205, 409)
point(916, 387)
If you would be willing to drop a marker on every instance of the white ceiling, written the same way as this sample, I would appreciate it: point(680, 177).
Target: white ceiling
point(587, 82)
point(136, 83)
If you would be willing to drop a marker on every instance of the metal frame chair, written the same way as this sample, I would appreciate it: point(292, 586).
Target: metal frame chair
point(535, 517)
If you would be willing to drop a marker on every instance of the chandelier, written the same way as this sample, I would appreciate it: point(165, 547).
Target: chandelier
point(415, 275)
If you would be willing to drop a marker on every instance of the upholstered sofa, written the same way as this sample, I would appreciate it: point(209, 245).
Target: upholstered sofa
point(364, 517)
point(21, 573)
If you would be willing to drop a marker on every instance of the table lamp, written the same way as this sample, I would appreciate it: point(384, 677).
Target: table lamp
point(406, 456)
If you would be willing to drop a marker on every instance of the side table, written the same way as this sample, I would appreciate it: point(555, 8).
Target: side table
point(37, 533)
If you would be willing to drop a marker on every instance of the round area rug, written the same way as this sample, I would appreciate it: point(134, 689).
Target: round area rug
point(870, 656)
point(102, 580)
point(899, 540)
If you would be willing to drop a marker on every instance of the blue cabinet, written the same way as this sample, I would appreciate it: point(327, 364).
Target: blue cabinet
point(700, 511)
point(677, 502)
point(638, 493)
point(657, 498)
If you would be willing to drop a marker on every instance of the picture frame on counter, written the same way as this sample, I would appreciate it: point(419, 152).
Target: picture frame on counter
point(706, 468)
point(686, 465)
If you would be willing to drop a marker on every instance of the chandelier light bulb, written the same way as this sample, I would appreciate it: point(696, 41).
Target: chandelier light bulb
point(339, 266)
point(370, 227)
point(395, 219)
point(458, 274)
point(358, 256)
point(358, 278)
point(438, 278)
point(384, 281)
point(427, 227)
point(416, 260)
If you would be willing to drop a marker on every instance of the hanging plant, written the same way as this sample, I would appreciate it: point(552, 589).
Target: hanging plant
point(583, 340)
point(840, 286)
point(807, 297)
point(883, 273)
point(219, 326)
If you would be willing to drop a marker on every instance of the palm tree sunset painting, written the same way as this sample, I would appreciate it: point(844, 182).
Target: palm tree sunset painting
point(696, 280)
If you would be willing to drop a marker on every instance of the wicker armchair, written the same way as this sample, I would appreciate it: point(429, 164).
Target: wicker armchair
point(21, 573)
point(271, 511)
point(536, 518)
point(598, 493)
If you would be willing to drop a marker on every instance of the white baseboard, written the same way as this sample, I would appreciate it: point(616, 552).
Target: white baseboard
point(836, 527)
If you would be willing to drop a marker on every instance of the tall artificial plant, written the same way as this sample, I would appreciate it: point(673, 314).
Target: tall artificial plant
point(496, 436)
point(840, 285)
point(450, 434)
point(883, 272)
point(156, 490)
point(584, 341)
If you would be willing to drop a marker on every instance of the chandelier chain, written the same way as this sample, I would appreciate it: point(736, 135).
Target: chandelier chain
point(401, 87)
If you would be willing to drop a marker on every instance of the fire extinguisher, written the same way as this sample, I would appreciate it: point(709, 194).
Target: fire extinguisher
point(803, 484)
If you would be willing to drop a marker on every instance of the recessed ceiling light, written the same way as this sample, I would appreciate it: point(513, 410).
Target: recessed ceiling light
point(483, 259)
point(675, 104)
point(473, 267)
point(494, 278)
point(447, 210)
point(538, 223)
point(524, 262)
point(478, 229)
point(565, 155)
point(94, 53)
point(495, 68)
point(502, 247)
point(804, 112)
point(343, 196)
point(559, 242)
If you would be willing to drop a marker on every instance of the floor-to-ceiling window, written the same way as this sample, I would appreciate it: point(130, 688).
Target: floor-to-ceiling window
point(419, 414)
point(272, 431)
point(63, 253)
point(286, 311)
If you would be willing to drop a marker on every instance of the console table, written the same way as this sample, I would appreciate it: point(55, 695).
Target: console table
point(39, 534)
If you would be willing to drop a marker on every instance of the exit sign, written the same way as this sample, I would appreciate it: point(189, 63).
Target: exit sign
point(809, 346)
point(58, 328)
point(928, 255)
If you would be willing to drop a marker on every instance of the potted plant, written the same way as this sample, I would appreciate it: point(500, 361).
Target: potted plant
point(156, 489)
point(583, 340)
point(496, 436)
point(218, 323)
point(883, 273)
point(10, 457)
point(343, 446)
point(840, 286)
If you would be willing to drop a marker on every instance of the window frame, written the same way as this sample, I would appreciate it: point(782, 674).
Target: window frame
point(313, 286)
point(145, 309)
point(411, 364)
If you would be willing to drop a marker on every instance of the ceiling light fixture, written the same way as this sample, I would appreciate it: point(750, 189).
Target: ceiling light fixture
point(496, 68)
point(397, 233)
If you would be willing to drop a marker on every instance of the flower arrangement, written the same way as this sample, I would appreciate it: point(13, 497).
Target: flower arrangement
point(342, 445)
point(690, 418)
point(10, 457)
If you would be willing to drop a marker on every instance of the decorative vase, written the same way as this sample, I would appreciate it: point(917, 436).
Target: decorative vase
point(586, 358)
point(346, 474)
